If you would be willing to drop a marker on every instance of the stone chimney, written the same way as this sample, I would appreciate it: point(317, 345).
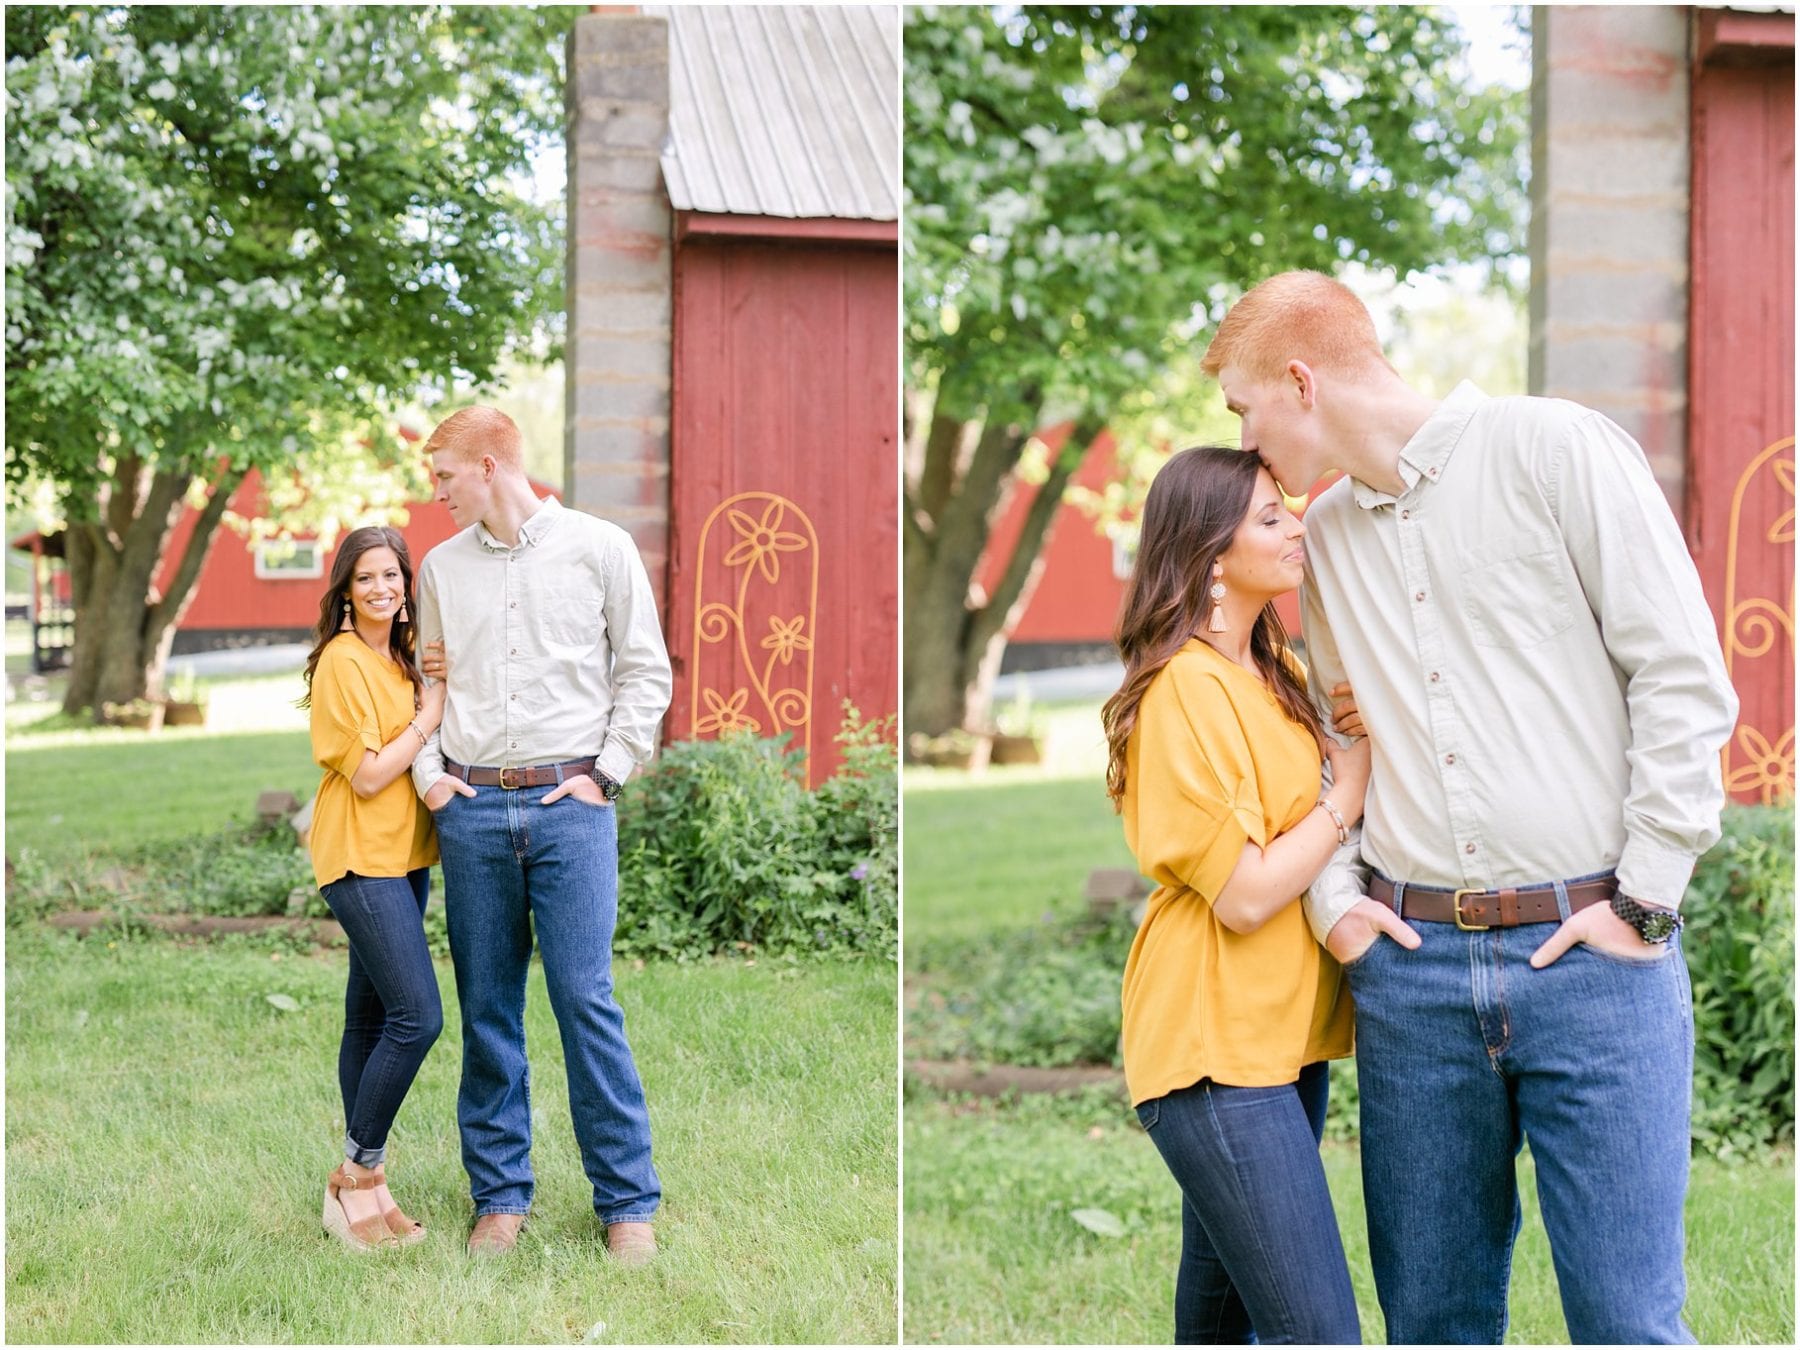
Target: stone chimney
point(1609, 220)
point(618, 355)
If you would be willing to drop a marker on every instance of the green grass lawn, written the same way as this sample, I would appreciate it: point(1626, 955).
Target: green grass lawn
point(168, 1133)
point(116, 789)
point(74, 787)
point(168, 1130)
point(994, 1256)
point(991, 1252)
point(1006, 847)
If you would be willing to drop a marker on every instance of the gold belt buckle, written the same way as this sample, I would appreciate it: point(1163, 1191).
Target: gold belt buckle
point(509, 786)
point(1456, 910)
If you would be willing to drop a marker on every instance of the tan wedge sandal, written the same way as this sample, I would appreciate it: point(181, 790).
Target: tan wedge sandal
point(407, 1230)
point(365, 1235)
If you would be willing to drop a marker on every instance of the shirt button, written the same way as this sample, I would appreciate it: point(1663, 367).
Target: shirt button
point(1448, 759)
point(1434, 677)
point(1418, 595)
point(515, 698)
point(512, 651)
point(1406, 515)
point(1431, 473)
point(512, 604)
point(1468, 848)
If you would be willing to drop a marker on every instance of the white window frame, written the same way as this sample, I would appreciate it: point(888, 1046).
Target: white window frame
point(290, 568)
point(1124, 555)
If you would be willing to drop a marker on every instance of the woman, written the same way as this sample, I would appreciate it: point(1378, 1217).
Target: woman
point(1231, 1009)
point(372, 850)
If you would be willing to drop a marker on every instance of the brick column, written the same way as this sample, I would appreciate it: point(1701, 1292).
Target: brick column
point(616, 426)
point(1609, 220)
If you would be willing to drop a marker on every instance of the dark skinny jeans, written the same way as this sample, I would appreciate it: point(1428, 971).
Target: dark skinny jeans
point(392, 1012)
point(1261, 1259)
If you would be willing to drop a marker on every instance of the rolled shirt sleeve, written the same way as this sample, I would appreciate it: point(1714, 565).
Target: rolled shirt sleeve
point(1197, 800)
point(345, 723)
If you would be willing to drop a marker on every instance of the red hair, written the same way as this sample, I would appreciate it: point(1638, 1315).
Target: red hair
point(1296, 316)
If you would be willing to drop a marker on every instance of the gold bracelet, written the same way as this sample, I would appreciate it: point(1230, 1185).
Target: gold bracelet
point(1337, 817)
point(424, 740)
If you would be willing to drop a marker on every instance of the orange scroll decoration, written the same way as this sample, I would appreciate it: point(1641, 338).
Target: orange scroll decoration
point(1759, 760)
point(761, 639)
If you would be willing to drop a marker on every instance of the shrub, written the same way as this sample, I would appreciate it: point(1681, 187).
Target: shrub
point(721, 845)
point(244, 870)
point(1739, 937)
point(1041, 996)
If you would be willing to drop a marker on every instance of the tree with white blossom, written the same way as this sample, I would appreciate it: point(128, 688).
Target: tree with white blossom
point(240, 237)
point(1086, 189)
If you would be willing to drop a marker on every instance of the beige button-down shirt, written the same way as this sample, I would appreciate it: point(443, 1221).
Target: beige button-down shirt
point(1532, 654)
point(553, 646)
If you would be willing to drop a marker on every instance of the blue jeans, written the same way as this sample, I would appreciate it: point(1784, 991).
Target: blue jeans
point(512, 863)
point(1463, 1051)
point(1261, 1259)
point(392, 1013)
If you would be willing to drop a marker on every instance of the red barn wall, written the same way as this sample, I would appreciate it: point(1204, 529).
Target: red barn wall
point(1740, 505)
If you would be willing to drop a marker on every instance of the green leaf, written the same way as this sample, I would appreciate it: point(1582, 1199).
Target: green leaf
point(1101, 1221)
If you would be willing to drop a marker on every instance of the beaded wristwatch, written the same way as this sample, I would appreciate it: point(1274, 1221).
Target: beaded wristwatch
point(1653, 925)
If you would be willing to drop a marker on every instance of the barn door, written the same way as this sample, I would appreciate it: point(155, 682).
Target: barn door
point(1741, 391)
point(783, 594)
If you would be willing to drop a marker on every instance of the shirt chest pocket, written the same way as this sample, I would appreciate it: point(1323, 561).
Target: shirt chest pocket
point(571, 613)
point(1516, 593)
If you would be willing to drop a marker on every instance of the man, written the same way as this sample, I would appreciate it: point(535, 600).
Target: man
point(558, 681)
point(1504, 587)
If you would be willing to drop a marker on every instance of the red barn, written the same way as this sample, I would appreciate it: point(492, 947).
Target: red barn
point(248, 594)
point(734, 361)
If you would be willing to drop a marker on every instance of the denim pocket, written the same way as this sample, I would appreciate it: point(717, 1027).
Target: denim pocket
point(1358, 962)
point(1648, 963)
point(1149, 1113)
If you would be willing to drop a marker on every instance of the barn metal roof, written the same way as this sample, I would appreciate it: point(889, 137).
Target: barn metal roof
point(780, 110)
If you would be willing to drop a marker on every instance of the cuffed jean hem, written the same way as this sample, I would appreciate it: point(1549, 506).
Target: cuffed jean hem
point(363, 1157)
point(502, 1209)
point(628, 1218)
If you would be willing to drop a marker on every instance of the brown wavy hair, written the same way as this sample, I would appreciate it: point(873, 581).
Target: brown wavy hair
point(1191, 514)
point(401, 637)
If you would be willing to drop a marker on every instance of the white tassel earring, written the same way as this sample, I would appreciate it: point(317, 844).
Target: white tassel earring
point(1216, 624)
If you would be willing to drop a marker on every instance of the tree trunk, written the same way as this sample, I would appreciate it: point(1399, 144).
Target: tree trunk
point(954, 637)
point(92, 563)
point(124, 625)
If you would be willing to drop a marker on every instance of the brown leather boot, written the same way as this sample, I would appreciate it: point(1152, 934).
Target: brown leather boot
point(495, 1234)
point(631, 1244)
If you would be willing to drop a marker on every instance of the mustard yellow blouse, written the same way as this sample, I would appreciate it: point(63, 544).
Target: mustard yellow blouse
point(361, 701)
point(1213, 763)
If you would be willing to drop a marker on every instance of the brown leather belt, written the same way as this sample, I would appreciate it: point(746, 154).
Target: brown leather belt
point(536, 775)
point(1507, 907)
